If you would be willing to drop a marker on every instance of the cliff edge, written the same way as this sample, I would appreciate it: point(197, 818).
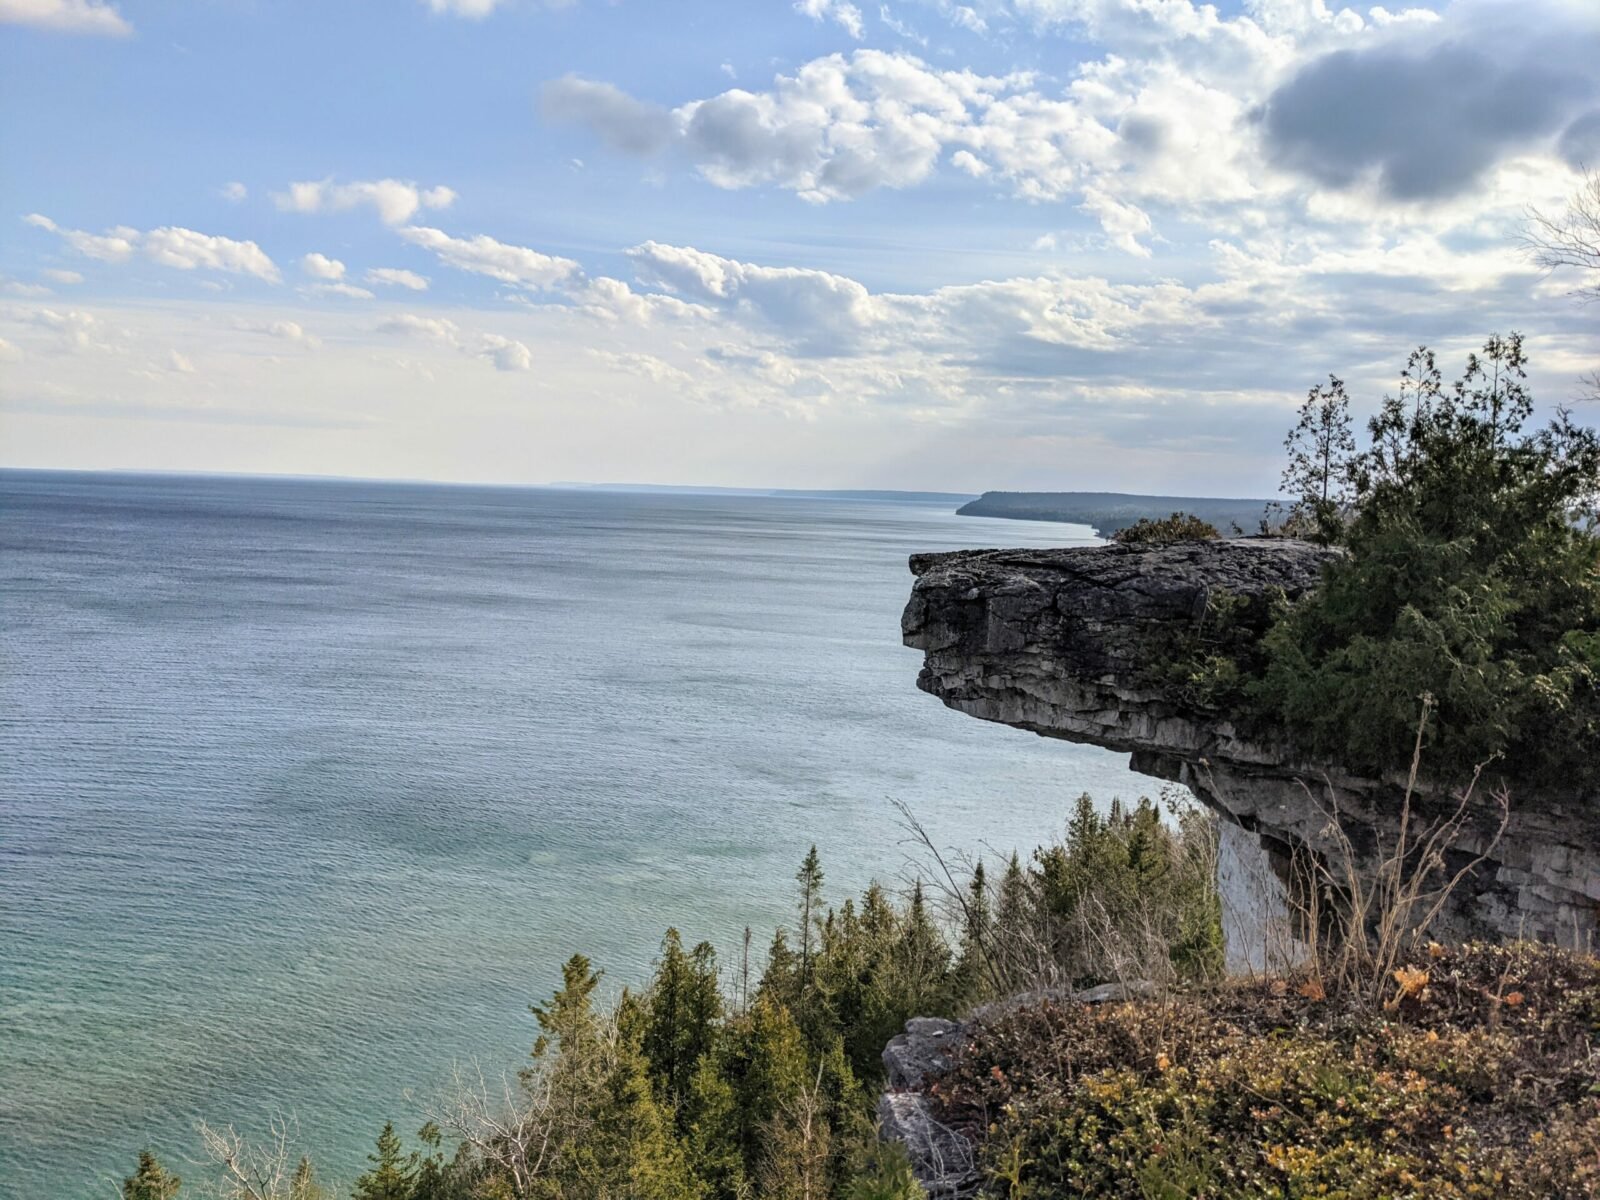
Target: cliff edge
point(1070, 643)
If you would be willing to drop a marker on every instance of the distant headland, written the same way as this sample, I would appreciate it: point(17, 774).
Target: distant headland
point(1107, 512)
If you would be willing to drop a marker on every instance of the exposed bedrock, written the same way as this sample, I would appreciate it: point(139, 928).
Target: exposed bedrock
point(1066, 643)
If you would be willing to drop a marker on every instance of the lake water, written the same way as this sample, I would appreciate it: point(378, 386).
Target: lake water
point(308, 787)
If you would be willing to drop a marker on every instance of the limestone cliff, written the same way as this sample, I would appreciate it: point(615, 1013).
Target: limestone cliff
point(1066, 643)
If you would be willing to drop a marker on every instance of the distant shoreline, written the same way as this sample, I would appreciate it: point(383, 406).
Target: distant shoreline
point(1107, 512)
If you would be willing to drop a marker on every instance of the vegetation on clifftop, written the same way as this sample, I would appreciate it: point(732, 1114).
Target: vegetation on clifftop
point(1469, 574)
point(1476, 1080)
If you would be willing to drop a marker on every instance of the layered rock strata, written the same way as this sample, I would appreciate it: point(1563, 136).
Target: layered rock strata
point(1069, 644)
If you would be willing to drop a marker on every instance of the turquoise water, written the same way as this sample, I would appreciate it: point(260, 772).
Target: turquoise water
point(309, 787)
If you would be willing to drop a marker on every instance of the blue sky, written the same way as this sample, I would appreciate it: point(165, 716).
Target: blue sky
point(1017, 243)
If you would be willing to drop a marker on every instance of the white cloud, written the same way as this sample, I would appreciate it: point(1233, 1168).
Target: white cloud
point(840, 11)
point(472, 9)
point(320, 266)
point(1185, 113)
point(179, 364)
point(188, 250)
point(410, 325)
point(55, 275)
point(77, 332)
point(348, 291)
point(970, 163)
point(483, 255)
point(235, 192)
point(1124, 224)
point(66, 16)
point(397, 277)
point(287, 331)
point(171, 246)
point(505, 353)
point(395, 201)
point(115, 245)
point(18, 288)
point(9, 352)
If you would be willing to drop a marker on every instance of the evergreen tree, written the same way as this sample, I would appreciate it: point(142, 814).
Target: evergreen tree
point(150, 1181)
point(634, 1152)
point(712, 1119)
point(1469, 576)
point(1322, 451)
point(682, 1009)
point(567, 1020)
point(1013, 923)
point(764, 1059)
point(392, 1170)
point(977, 935)
point(809, 879)
point(781, 981)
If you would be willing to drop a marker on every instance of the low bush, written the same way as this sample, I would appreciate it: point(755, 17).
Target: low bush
point(1477, 1080)
point(1179, 527)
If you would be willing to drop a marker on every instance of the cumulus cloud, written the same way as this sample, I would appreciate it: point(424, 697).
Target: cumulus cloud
point(395, 201)
point(171, 246)
point(483, 255)
point(397, 277)
point(234, 192)
point(1188, 111)
point(320, 266)
point(188, 250)
point(66, 16)
point(55, 275)
point(115, 245)
point(505, 353)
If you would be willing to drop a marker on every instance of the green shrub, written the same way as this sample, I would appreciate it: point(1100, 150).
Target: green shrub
point(1472, 574)
point(1179, 527)
point(1477, 1082)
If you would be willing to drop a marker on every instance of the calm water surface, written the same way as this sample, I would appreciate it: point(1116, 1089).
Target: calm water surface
point(307, 788)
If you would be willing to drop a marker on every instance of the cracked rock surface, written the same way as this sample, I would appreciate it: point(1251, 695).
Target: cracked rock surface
point(1061, 642)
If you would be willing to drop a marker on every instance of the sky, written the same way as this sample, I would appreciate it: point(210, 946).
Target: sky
point(1040, 244)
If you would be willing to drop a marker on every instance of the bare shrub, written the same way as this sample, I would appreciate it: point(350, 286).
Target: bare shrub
point(1360, 926)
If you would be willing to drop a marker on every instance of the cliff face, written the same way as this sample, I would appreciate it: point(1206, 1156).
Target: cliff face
point(1063, 643)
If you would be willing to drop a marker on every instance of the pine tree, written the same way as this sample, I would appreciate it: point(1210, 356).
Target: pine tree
point(682, 1009)
point(1322, 452)
point(809, 877)
point(921, 957)
point(781, 981)
point(633, 1148)
point(977, 935)
point(1013, 919)
point(764, 1059)
point(567, 1020)
point(392, 1170)
point(150, 1181)
point(712, 1119)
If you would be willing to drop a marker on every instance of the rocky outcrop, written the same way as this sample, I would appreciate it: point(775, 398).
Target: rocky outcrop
point(941, 1158)
point(1067, 643)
